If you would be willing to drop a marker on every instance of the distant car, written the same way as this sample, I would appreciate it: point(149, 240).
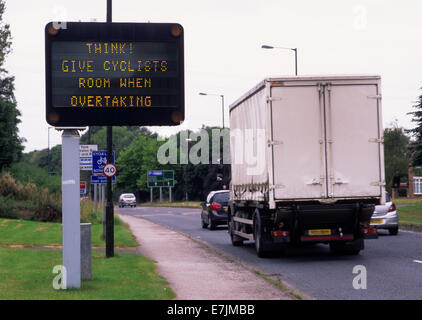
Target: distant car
point(214, 210)
point(127, 199)
point(386, 217)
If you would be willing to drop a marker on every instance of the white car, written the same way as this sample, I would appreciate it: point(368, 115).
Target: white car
point(127, 199)
point(385, 216)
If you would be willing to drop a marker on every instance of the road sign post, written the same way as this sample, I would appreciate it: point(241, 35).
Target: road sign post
point(103, 210)
point(71, 208)
point(95, 199)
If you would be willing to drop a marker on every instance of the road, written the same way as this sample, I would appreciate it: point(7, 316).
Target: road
point(393, 263)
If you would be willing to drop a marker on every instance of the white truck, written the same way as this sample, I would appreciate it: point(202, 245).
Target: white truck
point(307, 162)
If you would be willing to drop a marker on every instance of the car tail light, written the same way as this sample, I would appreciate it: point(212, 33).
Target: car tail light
point(215, 206)
point(392, 208)
point(369, 230)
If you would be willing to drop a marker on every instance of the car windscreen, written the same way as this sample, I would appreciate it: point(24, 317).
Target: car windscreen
point(222, 198)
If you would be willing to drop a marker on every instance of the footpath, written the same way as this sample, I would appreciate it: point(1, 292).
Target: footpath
point(195, 271)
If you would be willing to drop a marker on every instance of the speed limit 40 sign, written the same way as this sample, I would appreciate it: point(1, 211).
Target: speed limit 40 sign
point(109, 170)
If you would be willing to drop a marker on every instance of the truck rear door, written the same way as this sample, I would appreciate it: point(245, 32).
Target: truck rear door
point(298, 148)
point(353, 140)
point(326, 140)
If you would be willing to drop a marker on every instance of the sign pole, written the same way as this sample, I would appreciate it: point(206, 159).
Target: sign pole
point(109, 206)
point(95, 199)
point(161, 194)
point(103, 209)
point(170, 197)
point(150, 194)
point(71, 208)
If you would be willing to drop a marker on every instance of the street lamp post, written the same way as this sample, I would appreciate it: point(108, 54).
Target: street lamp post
point(293, 49)
point(48, 157)
point(222, 101)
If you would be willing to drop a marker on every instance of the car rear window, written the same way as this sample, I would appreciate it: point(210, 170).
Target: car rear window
point(223, 197)
point(128, 196)
point(387, 198)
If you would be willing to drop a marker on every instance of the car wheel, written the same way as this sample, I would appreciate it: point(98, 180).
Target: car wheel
point(394, 231)
point(211, 223)
point(204, 225)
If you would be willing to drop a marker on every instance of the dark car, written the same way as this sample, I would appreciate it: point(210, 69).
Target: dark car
point(214, 210)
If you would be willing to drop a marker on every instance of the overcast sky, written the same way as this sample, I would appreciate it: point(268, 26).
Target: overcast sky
point(223, 52)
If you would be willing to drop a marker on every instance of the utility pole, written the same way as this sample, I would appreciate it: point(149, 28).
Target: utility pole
point(109, 205)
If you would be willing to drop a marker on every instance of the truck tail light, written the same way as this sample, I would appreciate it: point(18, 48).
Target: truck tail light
point(215, 206)
point(392, 208)
point(369, 230)
point(280, 233)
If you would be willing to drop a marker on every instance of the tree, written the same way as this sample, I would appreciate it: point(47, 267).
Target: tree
point(10, 143)
point(396, 144)
point(416, 145)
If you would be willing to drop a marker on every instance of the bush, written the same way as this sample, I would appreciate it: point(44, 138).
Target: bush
point(28, 201)
point(8, 208)
point(29, 173)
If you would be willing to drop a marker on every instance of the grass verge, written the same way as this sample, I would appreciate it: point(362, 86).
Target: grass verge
point(279, 284)
point(33, 233)
point(410, 214)
point(407, 200)
point(182, 204)
point(27, 274)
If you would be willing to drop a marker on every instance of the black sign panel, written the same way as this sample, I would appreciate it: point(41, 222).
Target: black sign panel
point(114, 74)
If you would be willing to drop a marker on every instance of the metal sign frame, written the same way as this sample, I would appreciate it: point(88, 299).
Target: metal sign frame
point(115, 32)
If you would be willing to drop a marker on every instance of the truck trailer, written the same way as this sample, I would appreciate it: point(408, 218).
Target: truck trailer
point(307, 162)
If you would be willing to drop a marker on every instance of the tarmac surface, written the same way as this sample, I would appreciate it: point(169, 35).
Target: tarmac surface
point(393, 264)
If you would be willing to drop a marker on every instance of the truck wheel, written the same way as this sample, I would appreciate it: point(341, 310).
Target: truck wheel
point(260, 246)
point(236, 240)
point(352, 248)
point(337, 247)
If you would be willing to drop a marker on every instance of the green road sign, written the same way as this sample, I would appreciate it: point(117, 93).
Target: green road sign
point(160, 178)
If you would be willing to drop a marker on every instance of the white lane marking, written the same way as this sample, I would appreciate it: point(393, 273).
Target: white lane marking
point(417, 261)
point(188, 213)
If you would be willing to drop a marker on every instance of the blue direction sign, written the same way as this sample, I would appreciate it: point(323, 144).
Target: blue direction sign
point(160, 178)
point(101, 180)
point(99, 160)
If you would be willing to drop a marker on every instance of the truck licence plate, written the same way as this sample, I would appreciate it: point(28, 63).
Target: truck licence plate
point(319, 232)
